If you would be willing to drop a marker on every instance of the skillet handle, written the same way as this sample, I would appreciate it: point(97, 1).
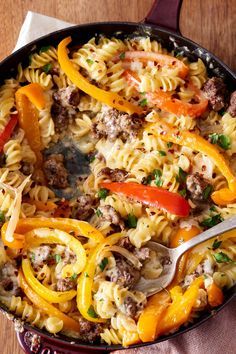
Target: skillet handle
point(165, 13)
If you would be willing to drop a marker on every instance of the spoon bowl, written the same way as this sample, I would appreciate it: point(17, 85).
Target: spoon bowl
point(172, 255)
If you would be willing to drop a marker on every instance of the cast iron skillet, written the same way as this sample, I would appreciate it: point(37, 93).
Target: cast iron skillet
point(162, 24)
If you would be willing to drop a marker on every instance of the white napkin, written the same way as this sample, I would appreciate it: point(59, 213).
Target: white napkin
point(37, 25)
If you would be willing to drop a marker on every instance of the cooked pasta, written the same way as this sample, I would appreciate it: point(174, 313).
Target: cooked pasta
point(118, 143)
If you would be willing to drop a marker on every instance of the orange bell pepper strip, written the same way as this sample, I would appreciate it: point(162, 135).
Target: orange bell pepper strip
point(161, 59)
point(48, 206)
point(151, 315)
point(194, 141)
point(155, 197)
point(34, 92)
point(68, 322)
point(215, 295)
point(180, 309)
point(110, 98)
point(166, 102)
point(181, 236)
point(68, 225)
point(85, 282)
point(7, 131)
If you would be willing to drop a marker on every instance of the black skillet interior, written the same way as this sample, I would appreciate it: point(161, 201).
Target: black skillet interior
point(81, 34)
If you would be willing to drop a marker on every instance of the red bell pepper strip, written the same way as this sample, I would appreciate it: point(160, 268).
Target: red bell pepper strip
point(151, 196)
point(161, 59)
point(165, 101)
point(6, 133)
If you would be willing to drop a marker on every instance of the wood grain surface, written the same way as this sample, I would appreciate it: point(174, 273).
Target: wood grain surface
point(210, 23)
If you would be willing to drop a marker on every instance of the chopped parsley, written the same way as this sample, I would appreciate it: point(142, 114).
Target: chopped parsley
point(2, 216)
point(103, 193)
point(98, 212)
point(183, 192)
point(210, 222)
point(207, 191)
point(47, 68)
point(212, 208)
point(122, 56)
point(158, 180)
point(222, 257)
point(162, 153)
point(74, 276)
point(86, 275)
point(143, 102)
point(169, 144)
point(216, 244)
point(142, 93)
point(57, 258)
point(181, 178)
point(91, 312)
point(131, 221)
point(89, 61)
point(91, 158)
point(220, 139)
point(103, 264)
point(44, 49)
point(33, 257)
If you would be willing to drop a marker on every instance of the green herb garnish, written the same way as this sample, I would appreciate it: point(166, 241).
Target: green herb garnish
point(212, 208)
point(122, 56)
point(169, 144)
point(33, 257)
point(158, 180)
point(216, 244)
point(210, 222)
point(143, 102)
point(86, 275)
point(162, 153)
point(74, 276)
point(131, 221)
point(183, 192)
point(142, 93)
point(44, 49)
point(222, 257)
point(207, 191)
point(103, 264)
point(91, 312)
point(220, 139)
point(89, 61)
point(98, 212)
point(181, 178)
point(57, 258)
point(47, 68)
point(2, 216)
point(103, 193)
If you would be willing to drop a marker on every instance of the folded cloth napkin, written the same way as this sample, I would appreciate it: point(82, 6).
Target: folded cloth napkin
point(216, 336)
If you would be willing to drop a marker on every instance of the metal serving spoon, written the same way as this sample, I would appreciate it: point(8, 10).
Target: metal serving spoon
point(152, 286)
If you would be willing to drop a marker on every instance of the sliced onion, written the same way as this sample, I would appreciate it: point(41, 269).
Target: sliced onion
point(133, 259)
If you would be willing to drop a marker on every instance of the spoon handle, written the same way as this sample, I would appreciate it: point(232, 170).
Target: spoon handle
point(224, 226)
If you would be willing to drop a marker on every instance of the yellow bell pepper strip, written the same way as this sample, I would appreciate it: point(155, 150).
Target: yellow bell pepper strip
point(7, 131)
point(85, 282)
point(194, 141)
point(215, 295)
point(34, 92)
point(180, 309)
point(46, 293)
point(110, 98)
point(68, 322)
point(181, 236)
point(162, 59)
point(46, 235)
point(25, 225)
point(151, 315)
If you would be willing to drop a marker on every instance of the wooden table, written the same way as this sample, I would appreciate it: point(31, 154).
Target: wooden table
point(208, 22)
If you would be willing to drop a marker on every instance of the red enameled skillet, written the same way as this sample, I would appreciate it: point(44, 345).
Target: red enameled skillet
point(162, 24)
